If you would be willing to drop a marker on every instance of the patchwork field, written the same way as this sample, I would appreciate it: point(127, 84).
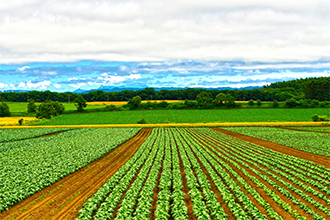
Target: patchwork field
point(159, 173)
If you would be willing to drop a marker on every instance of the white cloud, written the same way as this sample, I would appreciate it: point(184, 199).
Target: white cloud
point(130, 30)
point(78, 85)
point(134, 76)
point(22, 69)
point(3, 85)
point(56, 85)
point(72, 79)
point(107, 78)
point(30, 85)
point(21, 85)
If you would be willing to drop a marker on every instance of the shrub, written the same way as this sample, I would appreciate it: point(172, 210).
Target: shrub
point(258, 102)
point(315, 118)
point(32, 107)
point(251, 102)
point(110, 108)
point(142, 121)
point(4, 110)
point(275, 104)
point(323, 118)
point(291, 103)
point(20, 121)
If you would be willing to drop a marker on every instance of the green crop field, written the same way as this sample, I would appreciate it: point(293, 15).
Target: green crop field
point(18, 109)
point(188, 116)
point(313, 142)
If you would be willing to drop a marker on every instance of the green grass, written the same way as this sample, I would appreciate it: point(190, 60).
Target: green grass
point(317, 143)
point(18, 109)
point(187, 116)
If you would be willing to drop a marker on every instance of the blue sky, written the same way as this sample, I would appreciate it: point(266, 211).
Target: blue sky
point(63, 45)
point(179, 73)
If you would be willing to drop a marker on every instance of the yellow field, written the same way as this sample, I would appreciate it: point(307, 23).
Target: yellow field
point(14, 120)
point(125, 102)
point(178, 125)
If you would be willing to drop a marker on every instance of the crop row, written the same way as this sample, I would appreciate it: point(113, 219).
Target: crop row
point(177, 172)
point(34, 164)
point(236, 153)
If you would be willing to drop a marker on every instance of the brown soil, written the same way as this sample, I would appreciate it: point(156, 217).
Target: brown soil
point(318, 159)
point(51, 134)
point(65, 198)
point(295, 129)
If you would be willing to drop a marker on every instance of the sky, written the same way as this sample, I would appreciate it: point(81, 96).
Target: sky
point(64, 45)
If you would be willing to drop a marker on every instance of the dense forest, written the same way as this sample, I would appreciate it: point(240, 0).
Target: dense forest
point(309, 88)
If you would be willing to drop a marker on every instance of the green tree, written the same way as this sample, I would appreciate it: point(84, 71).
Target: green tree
point(220, 99)
point(4, 110)
point(80, 103)
point(134, 103)
point(251, 102)
point(258, 102)
point(230, 101)
point(203, 98)
point(291, 103)
point(49, 109)
point(32, 107)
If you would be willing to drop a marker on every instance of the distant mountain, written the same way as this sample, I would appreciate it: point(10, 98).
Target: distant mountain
point(17, 91)
point(122, 88)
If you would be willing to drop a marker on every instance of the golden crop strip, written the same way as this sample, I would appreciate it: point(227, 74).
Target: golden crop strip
point(177, 125)
point(14, 120)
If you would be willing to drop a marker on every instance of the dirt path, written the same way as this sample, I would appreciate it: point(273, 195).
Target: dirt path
point(64, 199)
point(294, 129)
point(318, 159)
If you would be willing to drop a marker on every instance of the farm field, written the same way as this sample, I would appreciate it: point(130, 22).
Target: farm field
point(313, 142)
point(314, 129)
point(187, 116)
point(19, 134)
point(175, 173)
point(4, 121)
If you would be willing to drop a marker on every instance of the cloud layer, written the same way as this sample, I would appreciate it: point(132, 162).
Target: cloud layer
point(146, 30)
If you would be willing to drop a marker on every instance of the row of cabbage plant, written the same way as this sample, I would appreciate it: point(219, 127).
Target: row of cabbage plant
point(36, 164)
point(104, 202)
point(283, 191)
point(251, 211)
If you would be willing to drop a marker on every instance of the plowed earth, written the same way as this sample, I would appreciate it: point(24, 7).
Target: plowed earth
point(318, 159)
point(65, 198)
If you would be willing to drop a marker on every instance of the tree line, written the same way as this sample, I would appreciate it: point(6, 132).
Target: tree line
point(309, 88)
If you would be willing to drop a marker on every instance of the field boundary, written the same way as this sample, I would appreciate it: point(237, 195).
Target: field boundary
point(173, 125)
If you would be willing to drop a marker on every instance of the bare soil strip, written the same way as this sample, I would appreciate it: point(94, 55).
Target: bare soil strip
point(295, 129)
point(64, 199)
point(318, 159)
